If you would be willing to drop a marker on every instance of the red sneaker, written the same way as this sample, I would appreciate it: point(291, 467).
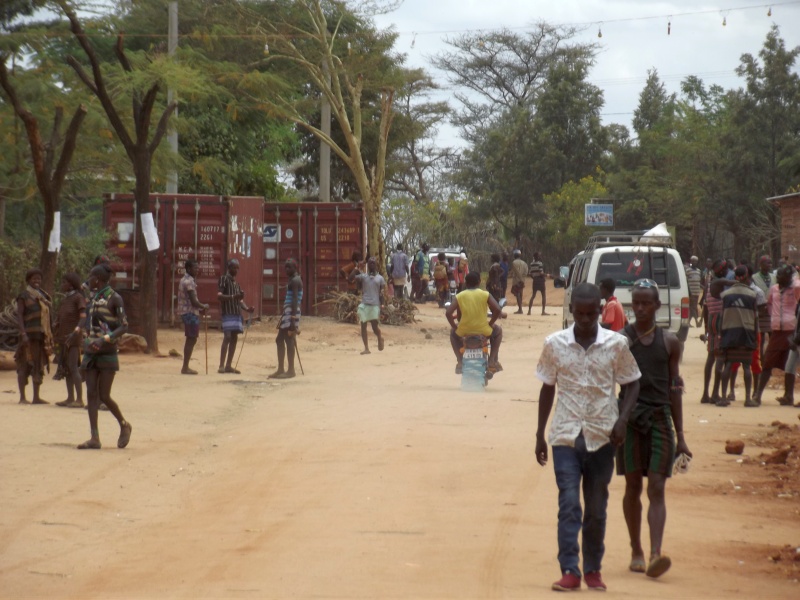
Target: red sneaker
point(569, 582)
point(594, 581)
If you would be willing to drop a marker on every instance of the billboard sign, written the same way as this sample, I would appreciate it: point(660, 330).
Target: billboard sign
point(598, 215)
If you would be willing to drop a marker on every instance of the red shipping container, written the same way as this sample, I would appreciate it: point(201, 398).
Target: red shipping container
point(211, 229)
point(322, 237)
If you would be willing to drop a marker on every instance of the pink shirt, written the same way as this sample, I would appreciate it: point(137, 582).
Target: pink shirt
point(781, 305)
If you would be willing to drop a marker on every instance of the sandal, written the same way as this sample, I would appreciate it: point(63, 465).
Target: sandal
point(124, 435)
point(232, 370)
point(92, 444)
point(637, 565)
point(658, 566)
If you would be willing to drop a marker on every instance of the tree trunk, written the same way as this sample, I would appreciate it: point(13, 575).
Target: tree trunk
point(3, 202)
point(375, 241)
point(148, 261)
point(48, 261)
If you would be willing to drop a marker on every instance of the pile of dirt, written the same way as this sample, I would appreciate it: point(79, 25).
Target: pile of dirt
point(773, 469)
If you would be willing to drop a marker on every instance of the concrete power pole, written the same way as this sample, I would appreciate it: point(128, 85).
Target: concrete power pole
point(325, 149)
point(172, 136)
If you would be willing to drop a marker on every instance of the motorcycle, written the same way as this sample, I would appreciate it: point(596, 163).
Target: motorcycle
point(475, 373)
point(475, 350)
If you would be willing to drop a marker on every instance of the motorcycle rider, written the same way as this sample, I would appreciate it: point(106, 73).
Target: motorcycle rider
point(470, 307)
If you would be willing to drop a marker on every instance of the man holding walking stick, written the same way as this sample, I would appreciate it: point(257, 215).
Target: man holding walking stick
point(231, 300)
point(289, 325)
point(190, 309)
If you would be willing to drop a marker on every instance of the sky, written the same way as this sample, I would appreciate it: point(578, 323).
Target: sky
point(634, 39)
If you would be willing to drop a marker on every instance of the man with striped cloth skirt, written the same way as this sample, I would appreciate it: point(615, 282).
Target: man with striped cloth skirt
point(650, 443)
point(289, 324)
point(231, 301)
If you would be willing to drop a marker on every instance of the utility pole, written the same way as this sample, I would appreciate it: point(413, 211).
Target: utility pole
point(172, 136)
point(325, 149)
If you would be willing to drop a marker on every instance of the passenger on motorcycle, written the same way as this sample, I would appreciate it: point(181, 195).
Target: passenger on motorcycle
point(467, 316)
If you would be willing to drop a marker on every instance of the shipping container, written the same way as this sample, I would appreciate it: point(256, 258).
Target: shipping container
point(211, 229)
point(322, 237)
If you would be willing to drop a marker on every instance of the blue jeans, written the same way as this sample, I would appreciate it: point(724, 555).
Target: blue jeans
point(596, 469)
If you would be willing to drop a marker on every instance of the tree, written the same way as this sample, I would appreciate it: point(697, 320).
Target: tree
point(565, 227)
point(50, 159)
point(416, 165)
point(342, 69)
point(140, 79)
point(502, 70)
point(532, 120)
point(229, 144)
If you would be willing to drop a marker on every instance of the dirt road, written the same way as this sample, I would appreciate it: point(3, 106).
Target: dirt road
point(369, 477)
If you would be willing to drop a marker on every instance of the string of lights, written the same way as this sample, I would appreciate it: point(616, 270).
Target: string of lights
point(724, 12)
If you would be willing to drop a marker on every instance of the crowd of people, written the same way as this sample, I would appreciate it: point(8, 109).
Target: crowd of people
point(749, 318)
point(749, 321)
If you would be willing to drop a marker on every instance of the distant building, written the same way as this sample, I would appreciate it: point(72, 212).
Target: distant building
point(789, 207)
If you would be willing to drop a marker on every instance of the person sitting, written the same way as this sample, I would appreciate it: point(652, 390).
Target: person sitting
point(469, 308)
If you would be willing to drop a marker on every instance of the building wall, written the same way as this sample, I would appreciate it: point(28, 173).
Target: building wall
point(790, 228)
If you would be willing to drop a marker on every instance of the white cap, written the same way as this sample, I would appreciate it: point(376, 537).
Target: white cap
point(462, 255)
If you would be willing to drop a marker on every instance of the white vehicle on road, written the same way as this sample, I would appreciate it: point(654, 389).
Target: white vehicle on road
point(626, 256)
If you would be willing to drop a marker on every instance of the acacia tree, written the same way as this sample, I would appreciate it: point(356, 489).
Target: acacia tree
point(143, 79)
point(307, 37)
point(50, 158)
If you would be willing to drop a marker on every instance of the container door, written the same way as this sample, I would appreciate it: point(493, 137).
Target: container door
point(335, 232)
point(196, 227)
point(245, 243)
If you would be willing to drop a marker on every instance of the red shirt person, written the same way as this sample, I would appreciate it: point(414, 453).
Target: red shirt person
point(613, 316)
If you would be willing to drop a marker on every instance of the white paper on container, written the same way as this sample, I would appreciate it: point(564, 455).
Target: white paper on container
point(54, 245)
point(149, 231)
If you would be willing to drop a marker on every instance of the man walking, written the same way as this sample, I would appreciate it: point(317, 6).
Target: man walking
point(289, 324)
point(400, 271)
point(231, 299)
point(422, 264)
point(519, 271)
point(537, 273)
point(494, 281)
point(694, 277)
point(190, 309)
point(372, 298)
point(586, 361)
point(657, 419)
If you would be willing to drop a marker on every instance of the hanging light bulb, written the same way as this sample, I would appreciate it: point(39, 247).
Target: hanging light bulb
point(599, 32)
point(349, 49)
point(724, 21)
point(669, 27)
point(769, 12)
point(266, 49)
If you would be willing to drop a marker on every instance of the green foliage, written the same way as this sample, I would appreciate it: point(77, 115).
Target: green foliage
point(564, 228)
point(77, 255)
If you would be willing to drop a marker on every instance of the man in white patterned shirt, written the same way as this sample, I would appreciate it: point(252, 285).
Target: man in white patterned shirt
point(586, 361)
